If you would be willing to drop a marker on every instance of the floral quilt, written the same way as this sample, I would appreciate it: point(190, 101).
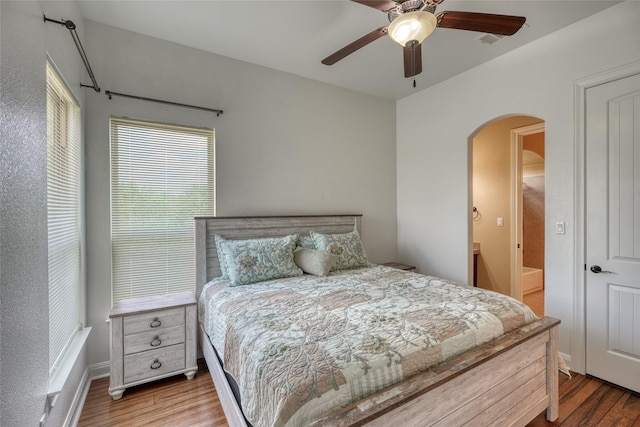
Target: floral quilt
point(302, 347)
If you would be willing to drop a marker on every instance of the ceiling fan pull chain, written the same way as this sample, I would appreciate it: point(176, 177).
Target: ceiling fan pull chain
point(413, 63)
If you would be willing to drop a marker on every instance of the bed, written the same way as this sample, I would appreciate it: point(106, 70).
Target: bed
point(508, 379)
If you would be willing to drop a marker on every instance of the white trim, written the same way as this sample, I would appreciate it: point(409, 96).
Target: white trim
point(517, 135)
point(59, 379)
point(92, 372)
point(73, 416)
point(61, 375)
point(100, 370)
point(579, 338)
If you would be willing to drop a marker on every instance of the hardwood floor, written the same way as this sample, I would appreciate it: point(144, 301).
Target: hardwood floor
point(178, 402)
point(175, 402)
point(587, 401)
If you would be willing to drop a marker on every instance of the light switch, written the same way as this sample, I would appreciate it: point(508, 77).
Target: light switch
point(560, 227)
point(500, 222)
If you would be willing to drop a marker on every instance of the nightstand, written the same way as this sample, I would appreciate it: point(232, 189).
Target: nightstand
point(152, 338)
point(400, 266)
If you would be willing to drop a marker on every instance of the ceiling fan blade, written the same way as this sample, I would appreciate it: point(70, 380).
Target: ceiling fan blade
point(382, 5)
point(412, 60)
point(505, 25)
point(352, 47)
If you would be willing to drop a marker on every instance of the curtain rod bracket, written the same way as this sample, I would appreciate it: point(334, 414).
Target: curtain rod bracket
point(97, 89)
point(69, 25)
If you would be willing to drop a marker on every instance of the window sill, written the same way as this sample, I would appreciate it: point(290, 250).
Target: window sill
point(61, 375)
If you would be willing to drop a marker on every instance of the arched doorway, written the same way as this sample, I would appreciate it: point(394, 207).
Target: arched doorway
point(496, 181)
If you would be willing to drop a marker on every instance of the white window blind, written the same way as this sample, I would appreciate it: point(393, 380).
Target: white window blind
point(161, 177)
point(63, 216)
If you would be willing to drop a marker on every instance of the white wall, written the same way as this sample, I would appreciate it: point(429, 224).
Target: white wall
point(284, 145)
point(24, 298)
point(435, 125)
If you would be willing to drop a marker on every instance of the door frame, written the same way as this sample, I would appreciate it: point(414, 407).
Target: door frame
point(578, 360)
point(517, 136)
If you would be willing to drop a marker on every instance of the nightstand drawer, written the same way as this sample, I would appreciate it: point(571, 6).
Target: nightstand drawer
point(154, 339)
point(153, 320)
point(149, 364)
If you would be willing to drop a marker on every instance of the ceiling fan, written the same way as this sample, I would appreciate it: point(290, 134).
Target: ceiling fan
point(412, 21)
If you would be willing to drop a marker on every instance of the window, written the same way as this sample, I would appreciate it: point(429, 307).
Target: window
point(64, 201)
point(161, 177)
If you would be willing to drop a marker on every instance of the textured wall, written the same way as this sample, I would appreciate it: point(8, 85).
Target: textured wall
point(26, 42)
point(24, 296)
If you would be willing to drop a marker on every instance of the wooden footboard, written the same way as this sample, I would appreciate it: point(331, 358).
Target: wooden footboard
point(508, 381)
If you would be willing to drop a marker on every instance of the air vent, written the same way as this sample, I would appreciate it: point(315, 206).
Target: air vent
point(489, 38)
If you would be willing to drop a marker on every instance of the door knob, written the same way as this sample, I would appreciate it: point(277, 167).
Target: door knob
point(596, 269)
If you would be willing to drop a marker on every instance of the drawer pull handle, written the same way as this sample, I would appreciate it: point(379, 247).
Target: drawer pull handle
point(155, 341)
point(156, 364)
point(155, 323)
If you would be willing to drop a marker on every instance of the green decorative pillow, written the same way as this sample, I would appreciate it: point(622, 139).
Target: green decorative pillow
point(306, 242)
point(256, 260)
point(221, 258)
point(314, 262)
point(346, 248)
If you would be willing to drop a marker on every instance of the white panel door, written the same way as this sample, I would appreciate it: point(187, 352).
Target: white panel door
point(613, 231)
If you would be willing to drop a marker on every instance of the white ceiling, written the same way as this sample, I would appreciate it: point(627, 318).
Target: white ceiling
point(293, 36)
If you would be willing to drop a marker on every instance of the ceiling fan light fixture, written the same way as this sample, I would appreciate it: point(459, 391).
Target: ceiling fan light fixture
point(412, 26)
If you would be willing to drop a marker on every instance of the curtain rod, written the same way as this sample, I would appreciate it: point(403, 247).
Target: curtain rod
point(142, 98)
point(72, 29)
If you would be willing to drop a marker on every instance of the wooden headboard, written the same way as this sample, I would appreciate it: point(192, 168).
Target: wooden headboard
point(207, 264)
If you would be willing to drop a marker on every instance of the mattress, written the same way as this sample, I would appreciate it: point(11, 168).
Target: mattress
point(302, 347)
